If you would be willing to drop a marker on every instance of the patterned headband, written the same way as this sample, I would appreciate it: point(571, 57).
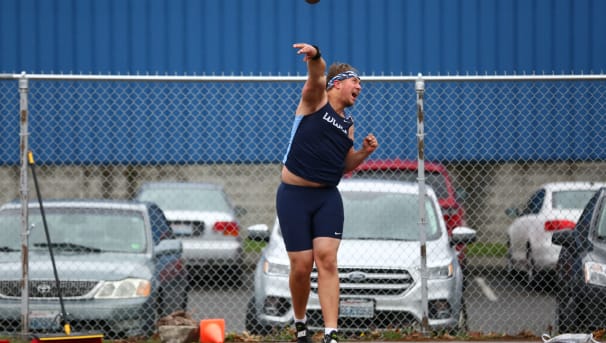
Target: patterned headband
point(340, 77)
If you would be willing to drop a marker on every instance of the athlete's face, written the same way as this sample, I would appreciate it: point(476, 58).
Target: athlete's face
point(350, 89)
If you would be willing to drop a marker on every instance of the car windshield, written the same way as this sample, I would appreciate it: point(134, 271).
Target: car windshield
point(187, 199)
point(434, 179)
point(390, 216)
point(576, 199)
point(82, 230)
point(602, 222)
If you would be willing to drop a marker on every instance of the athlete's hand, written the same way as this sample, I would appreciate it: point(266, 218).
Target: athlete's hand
point(370, 143)
point(306, 49)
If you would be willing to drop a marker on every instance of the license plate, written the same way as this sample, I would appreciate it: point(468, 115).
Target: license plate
point(44, 320)
point(356, 308)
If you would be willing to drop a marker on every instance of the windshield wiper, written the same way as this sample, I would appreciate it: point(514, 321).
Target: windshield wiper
point(8, 249)
point(69, 247)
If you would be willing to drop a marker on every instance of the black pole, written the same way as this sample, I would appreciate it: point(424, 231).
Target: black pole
point(64, 323)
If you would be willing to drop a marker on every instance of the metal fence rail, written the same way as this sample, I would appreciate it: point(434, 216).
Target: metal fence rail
point(500, 139)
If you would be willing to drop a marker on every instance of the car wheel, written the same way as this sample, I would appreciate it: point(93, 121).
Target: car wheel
point(234, 276)
point(510, 264)
point(251, 323)
point(462, 326)
point(566, 315)
point(530, 269)
point(185, 299)
point(151, 318)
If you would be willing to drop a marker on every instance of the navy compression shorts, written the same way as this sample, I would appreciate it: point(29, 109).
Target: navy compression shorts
point(305, 213)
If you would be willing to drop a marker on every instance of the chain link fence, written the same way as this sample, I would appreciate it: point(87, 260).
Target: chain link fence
point(497, 140)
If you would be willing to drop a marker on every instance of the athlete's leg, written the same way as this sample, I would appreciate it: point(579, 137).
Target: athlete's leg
point(328, 228)
point(325, 255)
point(301, 264)
point(295, 223)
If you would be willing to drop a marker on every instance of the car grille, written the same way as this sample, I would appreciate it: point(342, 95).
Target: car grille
point(382, 320)
point(47, 288)
point(369, 281)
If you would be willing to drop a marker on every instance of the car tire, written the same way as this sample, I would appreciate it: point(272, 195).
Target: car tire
point(566, 315)
point(531, 275)
point(511, 270)
point(235, 276)
point(185, 298)
point(462, 323)
point(149, 327)
point(251, 323)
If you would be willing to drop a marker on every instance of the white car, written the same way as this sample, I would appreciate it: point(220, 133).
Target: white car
point(379, 263)
point(552, 207)
point(204, 219)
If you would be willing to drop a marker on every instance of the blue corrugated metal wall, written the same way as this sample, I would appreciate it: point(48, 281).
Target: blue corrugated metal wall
point(254, 36)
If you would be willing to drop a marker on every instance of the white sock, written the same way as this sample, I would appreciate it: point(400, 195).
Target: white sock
point(304, 320)
point(329, 330)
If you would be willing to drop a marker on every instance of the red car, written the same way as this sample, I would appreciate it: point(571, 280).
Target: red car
point(436, 176)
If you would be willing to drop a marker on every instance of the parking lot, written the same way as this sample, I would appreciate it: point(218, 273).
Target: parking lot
point(492, 299)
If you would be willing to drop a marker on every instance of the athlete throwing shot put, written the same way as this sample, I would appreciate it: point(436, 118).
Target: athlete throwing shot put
point(309, 206)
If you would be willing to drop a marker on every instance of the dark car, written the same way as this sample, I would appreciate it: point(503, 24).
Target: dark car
point(118, 262)
point(581, 270)
point(436, 176)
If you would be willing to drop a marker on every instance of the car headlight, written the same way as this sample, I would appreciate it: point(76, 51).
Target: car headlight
point(127, 288)
point(595, 273)
point(441, 272)
point(275, 268)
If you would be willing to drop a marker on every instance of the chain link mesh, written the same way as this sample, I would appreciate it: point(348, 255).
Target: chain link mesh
point(499, 141)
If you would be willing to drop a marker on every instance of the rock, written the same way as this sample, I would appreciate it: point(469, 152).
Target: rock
point(178, 327)
point(178, 333)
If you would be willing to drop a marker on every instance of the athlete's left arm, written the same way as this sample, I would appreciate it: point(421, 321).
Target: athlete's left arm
point(355, 157)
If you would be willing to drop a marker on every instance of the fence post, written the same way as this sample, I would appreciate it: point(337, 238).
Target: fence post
point(23, 191)
point(420, 90)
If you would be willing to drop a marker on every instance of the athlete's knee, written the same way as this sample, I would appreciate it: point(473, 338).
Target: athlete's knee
point(301, 264)
point(326, 261)
point(325, 252)
point(300, 271)
point(327, 265)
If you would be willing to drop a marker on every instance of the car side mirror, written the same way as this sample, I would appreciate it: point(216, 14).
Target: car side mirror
point(563, 238)
point(258, 232)
point(168, 246)
point(461, 195)
point(512, 212)
point(240, 211)
point(463, 234)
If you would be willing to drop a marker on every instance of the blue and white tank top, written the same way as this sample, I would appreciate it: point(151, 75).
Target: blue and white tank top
point(318, 145)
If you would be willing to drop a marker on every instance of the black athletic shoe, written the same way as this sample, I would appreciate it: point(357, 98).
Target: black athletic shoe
point(331, 337)
point(303, 335)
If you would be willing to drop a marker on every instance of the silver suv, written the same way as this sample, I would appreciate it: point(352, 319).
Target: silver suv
point(379, 265)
